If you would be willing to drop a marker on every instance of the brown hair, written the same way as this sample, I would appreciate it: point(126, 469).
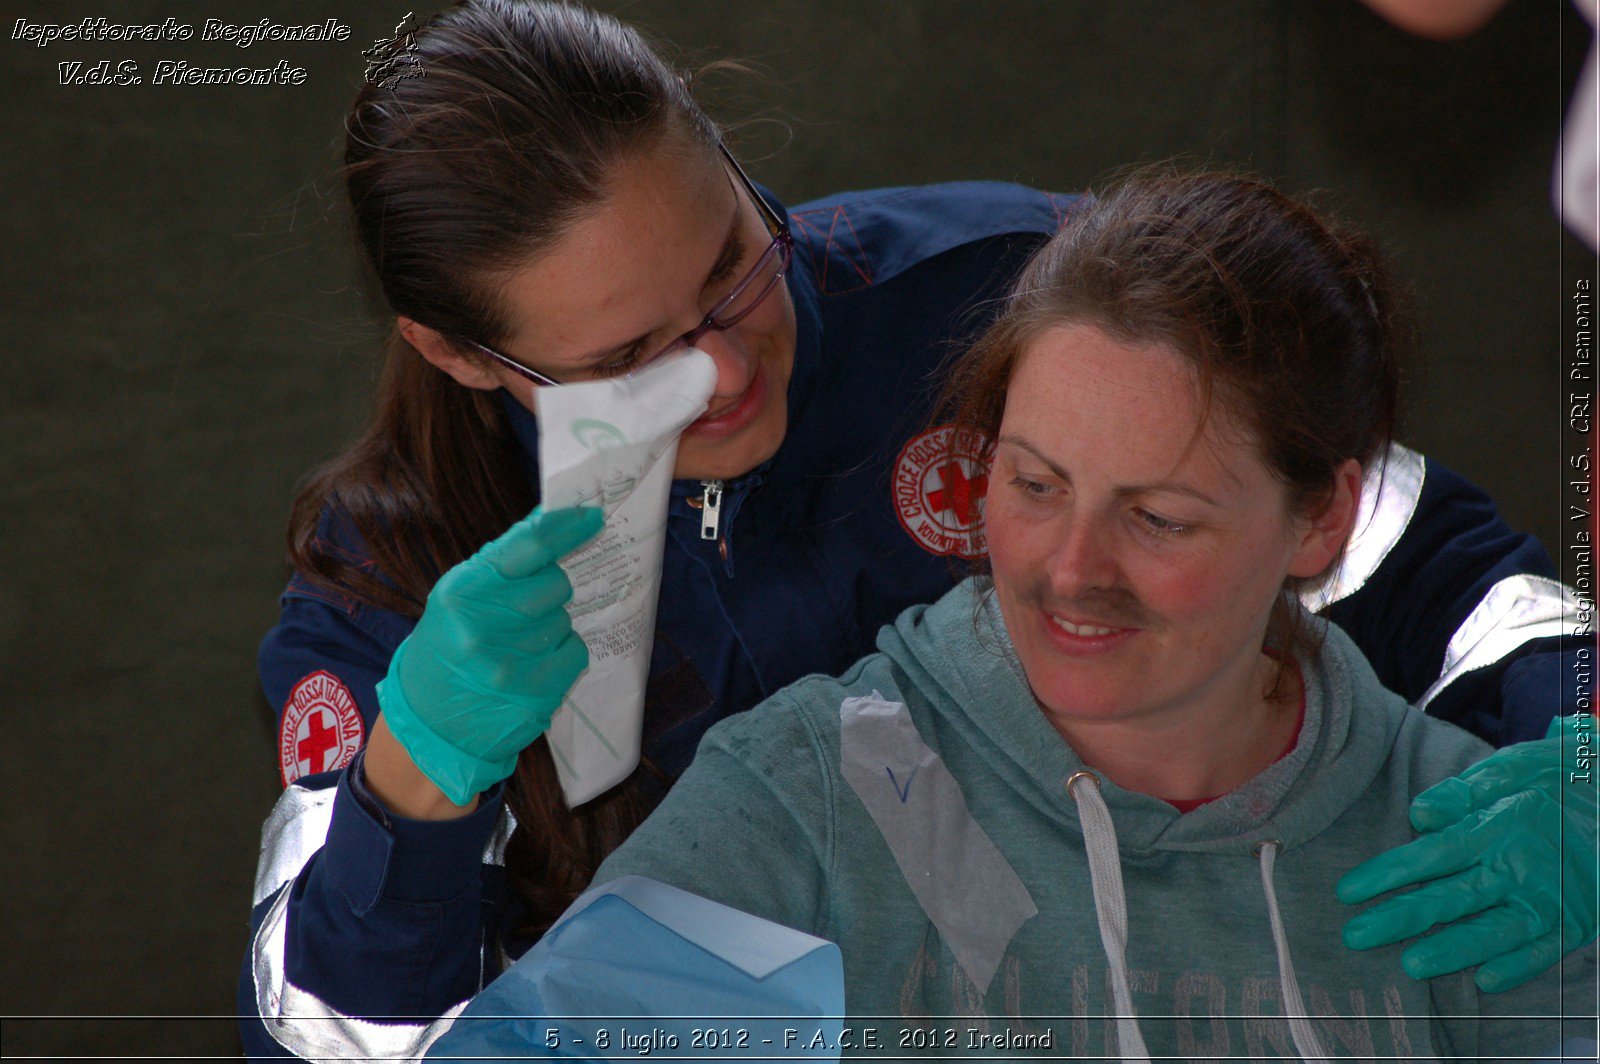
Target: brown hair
point(1288, 318)
point(506, 135)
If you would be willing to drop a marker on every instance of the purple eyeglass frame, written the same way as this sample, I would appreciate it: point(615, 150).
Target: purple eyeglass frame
point(782, 245)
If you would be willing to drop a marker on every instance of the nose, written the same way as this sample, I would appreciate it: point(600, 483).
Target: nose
point(1083, 560)
point(735, 367)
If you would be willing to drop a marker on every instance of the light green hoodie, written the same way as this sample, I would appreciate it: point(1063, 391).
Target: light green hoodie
point(916, 812)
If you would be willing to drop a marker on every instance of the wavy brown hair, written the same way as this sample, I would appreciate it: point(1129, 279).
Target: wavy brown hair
point(1291, 320)
point(516, 116)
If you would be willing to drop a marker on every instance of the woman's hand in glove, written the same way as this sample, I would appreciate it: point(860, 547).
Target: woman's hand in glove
point(1509, 843)
point(491, 658)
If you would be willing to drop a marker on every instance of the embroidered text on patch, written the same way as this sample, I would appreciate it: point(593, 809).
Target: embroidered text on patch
point(321, 729)
point(939, 485)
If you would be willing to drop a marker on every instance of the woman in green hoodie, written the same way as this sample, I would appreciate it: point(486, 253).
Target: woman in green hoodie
point(1115, 780)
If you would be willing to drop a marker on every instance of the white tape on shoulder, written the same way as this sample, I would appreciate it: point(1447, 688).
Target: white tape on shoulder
point(960, 878)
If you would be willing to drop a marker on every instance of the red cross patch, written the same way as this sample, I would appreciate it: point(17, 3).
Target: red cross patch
point(939, 487)
point(321, 729)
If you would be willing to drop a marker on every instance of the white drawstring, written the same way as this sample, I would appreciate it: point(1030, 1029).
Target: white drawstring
point(1110, 907)
point(1305, 1039)
point(1111, 910)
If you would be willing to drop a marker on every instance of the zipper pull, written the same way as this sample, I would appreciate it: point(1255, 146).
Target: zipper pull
point(711, 511)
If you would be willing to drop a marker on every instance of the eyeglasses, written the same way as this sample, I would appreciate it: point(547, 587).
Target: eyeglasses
point(729, 311)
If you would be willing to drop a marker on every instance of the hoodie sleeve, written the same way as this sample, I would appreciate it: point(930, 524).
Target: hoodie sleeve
point(749, 824)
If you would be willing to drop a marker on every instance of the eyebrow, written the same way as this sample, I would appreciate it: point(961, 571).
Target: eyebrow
point(732, 246)
point(1124, 491)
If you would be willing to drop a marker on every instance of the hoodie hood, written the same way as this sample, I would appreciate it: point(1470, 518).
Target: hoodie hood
point(958, 655)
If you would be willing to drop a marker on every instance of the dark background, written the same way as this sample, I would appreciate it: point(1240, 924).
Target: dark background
point(186, 338)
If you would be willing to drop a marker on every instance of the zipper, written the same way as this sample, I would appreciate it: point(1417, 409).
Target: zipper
point(711, 509)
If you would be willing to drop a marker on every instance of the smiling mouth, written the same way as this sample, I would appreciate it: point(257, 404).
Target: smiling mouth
point(736, 414)
point(1084, 630)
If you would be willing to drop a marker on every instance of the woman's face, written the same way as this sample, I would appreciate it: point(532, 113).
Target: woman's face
point(1136, 572)
point(676, 234)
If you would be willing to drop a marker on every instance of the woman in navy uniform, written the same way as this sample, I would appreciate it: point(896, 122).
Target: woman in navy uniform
point(543, 203)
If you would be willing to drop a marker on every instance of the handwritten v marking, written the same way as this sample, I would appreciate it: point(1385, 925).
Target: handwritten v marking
point(901, 791)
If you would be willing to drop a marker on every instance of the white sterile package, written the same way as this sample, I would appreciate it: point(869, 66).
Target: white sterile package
point(612, 443)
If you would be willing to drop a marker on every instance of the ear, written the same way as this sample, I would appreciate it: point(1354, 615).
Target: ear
point(443, 354)
point(1325, 530)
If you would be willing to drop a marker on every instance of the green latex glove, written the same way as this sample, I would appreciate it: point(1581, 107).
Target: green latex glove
point(492, 656)
point(1511, 844)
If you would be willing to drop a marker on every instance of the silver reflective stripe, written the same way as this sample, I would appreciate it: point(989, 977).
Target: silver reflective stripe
point(1389, 494)
point(958, 875)
point(495, 852)
point(295, 829)
point(300, 1021)
point(1516, 610)
point(309, 1027)
point(298, 826)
